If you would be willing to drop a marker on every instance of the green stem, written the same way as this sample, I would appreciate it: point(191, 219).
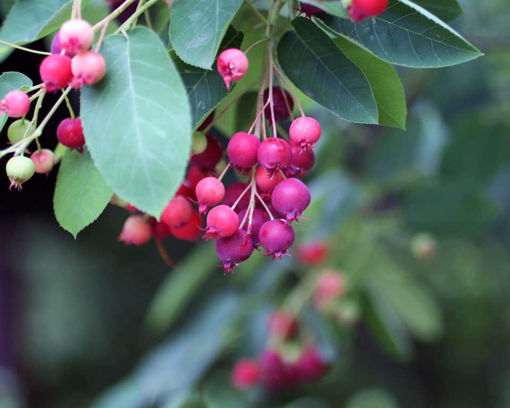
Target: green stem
point(135, 15)
point(140, 5)
point(256, 11)
point(69, 107)
point(114, 14)
point(19, 47)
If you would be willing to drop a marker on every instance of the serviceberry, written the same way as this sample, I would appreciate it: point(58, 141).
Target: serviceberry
point(177, 212)
point(19, 129)
point(276, 237)
point(232, 193)
point(274, 154)
point(88, 68)
point(301, 162)
point(234, 249)
point(209, 191)
point(43, 161)
point(136, 231)
point(308, 10)
point(56, 47)
point(305, 132)
point(191, 230)
point(266, 181)
point(76, 36)
point(195, 174)
point(330, 285)
point(313, 253)
point(70, 134)
point(245, 373)
point(159, 229)
point(282, 325)
point(222, 221)
point(242, 150)
point(291, 197)
point(259, 217)
point(361, 9)
point(210, 156)
point(282, 104)
point(19, 169)
point(15, 104)
point(311, 366)
point(55, 71)
point(276, 374)
point(232, 65)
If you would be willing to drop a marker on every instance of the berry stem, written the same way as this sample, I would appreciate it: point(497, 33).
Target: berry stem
point(224, 172)
point(140, 5)
point(36, 95)
point(19, 47)
point(101, 37)
point(241, 196)
point(247, 50)
point(69, 107)
point(290, 90)
point(270, 99)
point(264, 205)
point(257, 118)
point(249, 212)
point(164, 255)
point(287, 104)
point(128, 23)
point(114, 14)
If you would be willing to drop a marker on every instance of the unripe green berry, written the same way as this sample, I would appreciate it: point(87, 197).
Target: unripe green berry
point(19, 169)
point(199, 143)
point(19, 130)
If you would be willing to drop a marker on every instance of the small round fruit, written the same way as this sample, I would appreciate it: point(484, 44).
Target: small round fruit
point(70, 134)
point(301, 162)
point(232, 65)
point(291, 197)
point(19, 129)
point(210, 156)
point(311, 366)
point(55, 71)
point(305, 132)
point(76, 36)
point(259, 217)
point(136, 231)
point(222, 221)
point(242, 150)
point(15, 104)
point(19, 169)
point(43, 161)
point(330, 285)
point(234, 249)
point(266, 181)
point(282, 104)
point(245, 374)
point(88, 68)
point(313, 253)
point(177, 212)
point(370, 7)
point(191, 230)
point(276, 237)
point(282, 325)
point(209, 191)
point(274, 154)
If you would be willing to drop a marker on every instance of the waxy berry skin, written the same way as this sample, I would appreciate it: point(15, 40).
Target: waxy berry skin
point(242, 150)
point(276, 374)
point(245, 374)
point(19, 169)
point(210, 157)
point(310, 366)
point(222, 221)
point(301, 162)
point(234, 249)
point(308, 10)
point(209, 191)
point(232, 65)
point(177, 212)
point(55, 71)
point(15, 104)
point(76, 36)
point(43, 161)
point(361, 9)
point(291, 197)
point(259, 217)
point(276, 237)
point(266, 181)
point(274, 154)
point(70, 134)
point(159, 229)
point(191, 230)
point(19, 129)
point(87, 69)
point(136, 231)
point(305, 132)
point(282, 325)
point(283, 104)
point(232, 193)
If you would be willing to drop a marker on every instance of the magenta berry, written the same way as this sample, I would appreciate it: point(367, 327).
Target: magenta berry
point(276, 237)
point(209, 191)
point(19, 169)
point(43, 161)
point(370, 8)
point(56, 47)
point(301, 162)
point(76, 36)
point(242, 150)
point(308, 10)
point(177, 212)
point(232, 65)
point(282, 325)
point(210, 157)
point(136, 231)
point(291, 197)
point(159, 229)
point(222, 221)
point(232, 193)
point(305, 132)
point(259, 217)
point(88, 68)
point(276, 374)
point(70, 134)
point(266, 181)
point(245, 374)
point(274, 154)
point(15, 104)
point(55, 71)
point(234, 249)
point(282, 104)
point(311, 366)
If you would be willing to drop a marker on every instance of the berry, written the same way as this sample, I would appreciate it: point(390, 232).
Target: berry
point(259, 217)
point(191, 230)
point(291, 197)
point(331, 285)
point(222, 221)
point(136, 231)
point(159, 229)
point(276, 237)
point(76, 36)
point(313, 253)
point(234, 249)
point(301, 162)
point(266, 181)
point(70, 134)
point(88, 68)
point(305, 132)
point(207, 121)
point(232, 65)
point(274, 154)
point(242, 150)
point(185, 190)
point(282, 325)
point(19, 129)
point(43, 161)
point(56, 47)
point(19, 169)
point(209, 191)
point(275, 373)
point(15, 104)
point(131, 208)
point(177, 212)
point(245, 373)
point(361, 9)
point(282, 104)
point(310, 366)
point(308, 10)
point(210, 157)
point(195, 174)
point(55, 71)
point(232, 193)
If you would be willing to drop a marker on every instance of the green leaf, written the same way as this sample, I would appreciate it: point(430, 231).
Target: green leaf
point(81, 194)
point(371, 398)
point(444, 9)
point(137, 121)
point(317, 67)
point(197, 27)
point(335, 8)
point(9, 81)
point(406, 34)
point(385, 83)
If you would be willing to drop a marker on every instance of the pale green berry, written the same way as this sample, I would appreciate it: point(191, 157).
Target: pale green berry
point(19, 169)
point(20, 129)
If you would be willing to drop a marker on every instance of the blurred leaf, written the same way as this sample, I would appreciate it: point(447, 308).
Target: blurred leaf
point(444, 9)
point(180, 286)
point(10, 81)
point(371, 398)
point(81, 194)
point(125, 394)
point(245, 110)
point(219, 393)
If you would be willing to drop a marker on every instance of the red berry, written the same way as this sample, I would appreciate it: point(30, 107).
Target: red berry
point(209, 191)
point(234, 249)
point(177, 212)
point(282, 325)
point(245, 373)
point(301, 162)
point(331, 285)
point(195, 174)
point(210, 157)
point(313, 253)
point(88, 68)
point(311, 366)
point(232, 193)
point(274, 154)
point(70, 134)
point(266, 181)
point(76, 36)
point(131, 208)
point(43, 161)
point(361, 9)
point(259, 217)
point(308, 10)
point(55, 71)
point(305, 132)
point(276, 237)
point(222, 221)
point(275, 373)
point(291, 197)
point(232, 65)
point(282, 104)
point(159, 229)
point(136, 231)
point(242, 150)
point(191, 230)
point(186, 190)
point(15, 104)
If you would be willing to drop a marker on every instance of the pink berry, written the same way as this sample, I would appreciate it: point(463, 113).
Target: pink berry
point(276, 374)
point(282, 104)
point(136, 231)
point(56, 47)
point(76, 36)
point(210, 157)
point(222, 221)
point(282, 325)
point(311, 366)
point(43, 161)
point(15, 104)
point(159, 229)
point(301, 162)
point(259, 217)
point(191, 230)
point(331, 285)
point(131, 208)
point(274, 154)
point(232, 193)
point(305, 132)
point(234, 249)
point(313, 253)
point(291, 197)
point(245, 373)
point(70, 134)
point(370, 7)
point(242, 150)
point(266, 181)
point(232, 65)
point(209, 191)
point(88, 68)
point(276, 237)
point(177, 212)
point(55, 71)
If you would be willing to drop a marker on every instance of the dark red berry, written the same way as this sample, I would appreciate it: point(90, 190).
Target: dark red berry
point(276, 374)
point(210, 157)
point(234, 249)
point(195, 174)
point(55, 71)
point(301, 162)
point(222, 221)
point(191, 230)
point(209, 191)
point(70, 134)
point(266, 181)
point(274, 154)
point(159, 229)
point(186, 190)
point(282, 325)
point(276, 237)
point(232, 193)
point(245, 373)
point(313, 253)
point(282, 104)
point(308, 10)
point(305, 132)
point(291, 197)
point(259, 217)
point(242, 150)
point(207, 121)
point(177, 212)
point(311, 366)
